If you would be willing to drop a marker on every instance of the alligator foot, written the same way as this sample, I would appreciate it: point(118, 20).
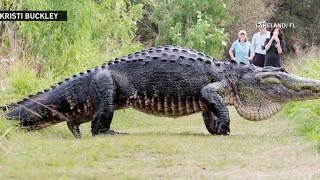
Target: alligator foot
point(216, 117)
point(75, 129)
point(223, 130)
point(112, 132)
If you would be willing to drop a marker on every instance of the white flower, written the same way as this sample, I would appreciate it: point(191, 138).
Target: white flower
point(224, 5)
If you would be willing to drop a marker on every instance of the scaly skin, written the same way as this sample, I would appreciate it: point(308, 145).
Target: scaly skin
point(164, 81)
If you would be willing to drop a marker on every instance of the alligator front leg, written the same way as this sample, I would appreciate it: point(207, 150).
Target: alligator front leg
point(216, 115)
point(105, 98)
point(75, 129)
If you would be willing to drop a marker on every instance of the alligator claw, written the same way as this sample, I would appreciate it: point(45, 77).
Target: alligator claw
point(112, 132)
point(223, 129)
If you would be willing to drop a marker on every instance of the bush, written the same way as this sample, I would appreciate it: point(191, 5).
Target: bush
point(304, 15)
point(94, 32)
point(49, 51)
point(195, 24)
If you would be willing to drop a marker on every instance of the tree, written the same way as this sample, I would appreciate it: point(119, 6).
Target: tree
point(194, 24)
point(305, 16)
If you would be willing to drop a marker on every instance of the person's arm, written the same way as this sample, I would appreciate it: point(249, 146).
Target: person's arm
point(231, 54)
point(252, 47)
point(249, 53)
point(233, 46)
point(278, 46)
point(268, 43)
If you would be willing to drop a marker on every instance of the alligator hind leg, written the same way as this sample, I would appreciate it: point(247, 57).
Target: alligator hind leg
point(210, 121)
point(216, 116)
point(105, 97)
point(75, 129)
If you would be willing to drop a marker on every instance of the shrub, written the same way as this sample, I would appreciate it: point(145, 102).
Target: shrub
point(195, 24)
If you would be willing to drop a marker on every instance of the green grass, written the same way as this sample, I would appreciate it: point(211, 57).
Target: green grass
point(162, 148)
point(159, 148)
point(307, 113)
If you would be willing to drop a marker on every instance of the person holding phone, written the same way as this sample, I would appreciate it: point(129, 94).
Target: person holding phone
point(241, 47)
point(274, 47)
point(258, 51)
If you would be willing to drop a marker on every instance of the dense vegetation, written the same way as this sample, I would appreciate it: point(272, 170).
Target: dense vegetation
point(304, 16)
point(195, 24)
point(44, 52)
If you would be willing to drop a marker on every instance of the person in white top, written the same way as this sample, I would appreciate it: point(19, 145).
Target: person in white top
point(258, 52)
point(241, 48)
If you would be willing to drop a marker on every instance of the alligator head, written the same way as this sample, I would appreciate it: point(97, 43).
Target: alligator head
point(262, 92)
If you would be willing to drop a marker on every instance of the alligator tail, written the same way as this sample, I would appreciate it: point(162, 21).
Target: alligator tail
point(35, 112)
point(51, 105)
point(3, 108)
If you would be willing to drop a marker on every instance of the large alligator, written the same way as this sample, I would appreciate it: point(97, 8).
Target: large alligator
point(164, 81)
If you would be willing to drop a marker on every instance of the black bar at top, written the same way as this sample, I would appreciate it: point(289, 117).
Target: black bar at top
point(33, 15)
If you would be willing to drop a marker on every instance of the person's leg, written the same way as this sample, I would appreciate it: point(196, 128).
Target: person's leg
point(269, 60)
point(254, 59)
point(258, 60)
point(262, 60)
point(278, 62)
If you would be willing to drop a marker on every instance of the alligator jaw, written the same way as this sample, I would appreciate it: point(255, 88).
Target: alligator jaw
point(303, 88)
point(283, 87)
point(259, 110)
point(264, 92)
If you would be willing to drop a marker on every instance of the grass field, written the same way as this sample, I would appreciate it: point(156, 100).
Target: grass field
point(161, 148)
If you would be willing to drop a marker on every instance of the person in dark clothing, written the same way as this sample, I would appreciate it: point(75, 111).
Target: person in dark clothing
point(274, 47)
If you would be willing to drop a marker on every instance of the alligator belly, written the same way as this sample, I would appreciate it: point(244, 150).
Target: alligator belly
point(162, 114)
point(166, 106)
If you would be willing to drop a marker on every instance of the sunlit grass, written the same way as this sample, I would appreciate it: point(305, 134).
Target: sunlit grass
point(307, 113)
point(158, 148)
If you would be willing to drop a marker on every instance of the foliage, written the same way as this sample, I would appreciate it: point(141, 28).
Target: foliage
point(24, 80)
point(304, 15)
point(49, 51)
point(195, 24)
point(93, 32)
point(147, 30)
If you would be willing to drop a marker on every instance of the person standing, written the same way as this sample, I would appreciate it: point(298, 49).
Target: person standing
point(258, 51)
point(241, 47)
point(274, 47)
